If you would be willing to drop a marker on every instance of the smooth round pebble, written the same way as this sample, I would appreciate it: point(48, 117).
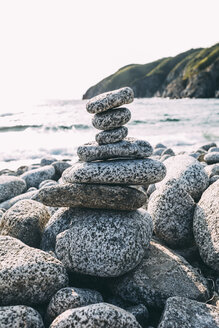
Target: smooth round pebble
point(34, 177)
point(11, 186)
point(111, 119)
point(212, 157)
point(111, 136)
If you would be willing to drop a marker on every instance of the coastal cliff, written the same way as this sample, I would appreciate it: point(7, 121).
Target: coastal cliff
point(191, 74)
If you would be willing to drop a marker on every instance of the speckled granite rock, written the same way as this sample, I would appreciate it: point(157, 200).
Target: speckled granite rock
point(92, 196)
point(140, 312)
point(182, 312)
point(141, 171)
point(11, 186)
point(71, 298)
point(206, 226)
point(108, 100)
point(106, 243)
point(172, 209)
point(28, 275)
point(47, 160)
point(160, 275)
point(128, 148)
point(213, 179)
point(111, 119)
point(61, 166)
point(34, 177)
point(212, 170)
point(190, 172)
point(25, 221)
point(47, 183)
point(111, 136)
point(212, 157)
point(27, 195)
point(19, 316)
point(101, 315)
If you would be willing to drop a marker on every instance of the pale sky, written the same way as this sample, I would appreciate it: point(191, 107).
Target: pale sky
point(57, 49)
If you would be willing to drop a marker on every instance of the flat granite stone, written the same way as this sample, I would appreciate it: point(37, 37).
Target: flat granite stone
point(183, 312)
point(206, 226)
point(109, 100)
point(19, 316)
point(71, 298)
point(134, 172)
point(111, 136)
point(128, 148)
point(92, 196)
point(161, 274)
point(105, 243)
point(28, 275)
point(101, 315)
point(11, 186)
point(212, 157)
point(34, 177)
point(111, 119)
point(25, 221)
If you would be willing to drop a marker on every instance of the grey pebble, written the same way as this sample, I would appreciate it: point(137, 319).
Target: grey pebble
point(139, 172)
point(47, 160)
point(28, 275)
point(111, 119)
point(128, 148)
point(213, 179)
point(161, 274)
point(25, 221)
point(19, 316)
point(106, 243)
point(206, 147)
point(111, 136)
point(11, 186)
point(213, 149)
point(168, 151)
point(159, 145)
point(109, 100)
point(212, 157)
point(183, 312)
point(61, 166)
point(158, 151)
point(92, 196)
point(206, 226)
point(212, 170)
point(34, 177)
point(71, 298)
point(27, 195)
point(101, 315)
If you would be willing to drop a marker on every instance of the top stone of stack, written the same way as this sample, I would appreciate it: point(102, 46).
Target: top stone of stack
point(109, 100)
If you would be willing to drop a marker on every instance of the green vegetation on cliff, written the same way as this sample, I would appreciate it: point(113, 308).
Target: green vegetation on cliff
point(194, 73)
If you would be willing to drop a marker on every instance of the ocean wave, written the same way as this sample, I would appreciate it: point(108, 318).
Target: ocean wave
point(17, 128)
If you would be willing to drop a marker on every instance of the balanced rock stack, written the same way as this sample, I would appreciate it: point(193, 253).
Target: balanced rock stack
point(103, 233)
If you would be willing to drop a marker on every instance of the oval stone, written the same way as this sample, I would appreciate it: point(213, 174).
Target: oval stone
point(20, 316)
point(105, 243)
point(212, 157)
point(111, 136)
point(109, 100)
point(10, 187)
point(136, 172)
point(34, 177)
point(111, 119)
point(128, 148)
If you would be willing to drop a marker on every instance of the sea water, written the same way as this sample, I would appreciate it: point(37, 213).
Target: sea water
point(57, 127)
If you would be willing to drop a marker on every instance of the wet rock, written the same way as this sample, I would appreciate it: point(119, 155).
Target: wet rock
point(34, 177)
point(141, 171)
point(129, 148)
point(212, 157)
point(96, 315)
point(172, 210)
point(111, 136)
point(92, 196)
point(111, 119)
point(11, 186)
point(109, 100)
point(182, 312)
point(206, 226)
point(27, 195)
point(106, 243)
point(160, 275)
point(71, 298)
point(25, 221)
point(28, 275)
point(20, 316)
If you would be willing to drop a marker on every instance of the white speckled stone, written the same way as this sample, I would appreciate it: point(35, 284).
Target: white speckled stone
point(27, 195)
point(25, 221)
point(111, 136)
point(106, 243)
point(134, 172)
point(11, 186)
point(102, 315)
point(71, 298)
point(161, 274)
point(34, 177)
point(108, 100)
point(19, 316)
point(183, 312)
point(128, 148)
point(111, 119)
point(206, 226)
point(28, 275)
point(212, 157)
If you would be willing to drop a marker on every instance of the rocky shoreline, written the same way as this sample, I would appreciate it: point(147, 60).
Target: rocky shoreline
point(126, 237)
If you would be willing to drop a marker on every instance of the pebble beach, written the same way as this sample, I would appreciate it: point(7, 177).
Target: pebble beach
point(123, 234)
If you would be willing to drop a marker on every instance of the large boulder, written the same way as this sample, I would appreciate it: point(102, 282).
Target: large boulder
point(11, 186)
point(28, 275)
